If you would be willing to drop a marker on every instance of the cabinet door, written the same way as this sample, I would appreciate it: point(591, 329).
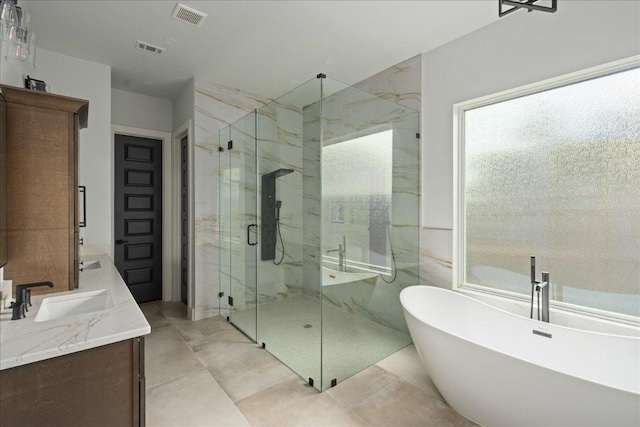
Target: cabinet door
point(39, 180)
point(95, 387)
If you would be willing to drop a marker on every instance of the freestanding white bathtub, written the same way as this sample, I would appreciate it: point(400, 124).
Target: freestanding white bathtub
point(335, 277)
point(500, 369)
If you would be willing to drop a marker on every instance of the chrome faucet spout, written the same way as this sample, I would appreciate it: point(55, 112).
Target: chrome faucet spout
point(344, 253)
point(544, 289)
point(341, 256)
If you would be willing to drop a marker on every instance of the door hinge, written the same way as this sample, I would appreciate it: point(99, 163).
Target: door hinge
point(418, 135)
point(230, 301)
point(220, 149)
point(229, 145)
point(220, 294)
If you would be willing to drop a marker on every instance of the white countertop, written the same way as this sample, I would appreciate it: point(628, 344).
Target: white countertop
point(25, 341)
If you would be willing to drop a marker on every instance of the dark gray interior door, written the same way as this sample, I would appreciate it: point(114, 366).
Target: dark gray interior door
point(184, 219)
point(138, 215)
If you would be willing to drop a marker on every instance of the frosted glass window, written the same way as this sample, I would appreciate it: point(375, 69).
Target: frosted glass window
point(556, 174)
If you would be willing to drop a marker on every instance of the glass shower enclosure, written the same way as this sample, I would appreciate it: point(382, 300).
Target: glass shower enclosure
point(319, 227)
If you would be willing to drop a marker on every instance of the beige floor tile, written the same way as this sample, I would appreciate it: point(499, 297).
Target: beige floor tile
point(294, 403)
point(194, 399)
point(173, 309)
point(154, 316)
point(406, 365)
point(167, 356)
point(192, 331)
point(239, 365)
point(216, 344)
point(404, 404)
point(360, 387)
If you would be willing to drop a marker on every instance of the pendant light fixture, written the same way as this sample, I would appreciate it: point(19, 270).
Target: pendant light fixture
point(16, 36)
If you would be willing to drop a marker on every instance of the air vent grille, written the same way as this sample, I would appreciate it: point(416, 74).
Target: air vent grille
point(188, 14)
point(149, 47)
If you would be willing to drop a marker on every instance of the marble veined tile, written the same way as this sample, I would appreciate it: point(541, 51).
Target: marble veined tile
point(231, 97)
point(403, 404)
point(406, 364)
point(361, 386)
point(401, 83)
point(165, 347)
point(436, 251)
point(154, 316)
point(239, 365)
point(194, 330)
point(194, 399)
point(294, 403)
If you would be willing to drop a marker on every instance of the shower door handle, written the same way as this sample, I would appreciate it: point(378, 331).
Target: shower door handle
point(249, 234)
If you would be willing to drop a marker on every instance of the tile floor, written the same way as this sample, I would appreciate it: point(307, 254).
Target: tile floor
point(207, 373)
point(350, 343)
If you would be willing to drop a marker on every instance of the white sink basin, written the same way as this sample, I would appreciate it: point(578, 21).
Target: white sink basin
point(90, 265)
point(74, 304)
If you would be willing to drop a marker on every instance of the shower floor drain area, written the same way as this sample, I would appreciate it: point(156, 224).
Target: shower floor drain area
point(307, 326)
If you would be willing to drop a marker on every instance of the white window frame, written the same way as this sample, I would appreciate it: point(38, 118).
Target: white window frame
point(458, 182)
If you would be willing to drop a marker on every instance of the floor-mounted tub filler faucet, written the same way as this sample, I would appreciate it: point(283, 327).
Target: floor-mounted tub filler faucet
point(540, 289)
point(342, 254)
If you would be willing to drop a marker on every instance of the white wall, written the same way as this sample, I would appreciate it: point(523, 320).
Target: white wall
point(184, 105)
point(519, 49)
point(87, 80)
point(141, 111)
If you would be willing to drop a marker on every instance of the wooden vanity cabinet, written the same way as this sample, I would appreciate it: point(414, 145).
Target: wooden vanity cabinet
point(102, 386)
point(42, 187)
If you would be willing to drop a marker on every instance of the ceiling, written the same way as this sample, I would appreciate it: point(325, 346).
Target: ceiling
point(263, 47)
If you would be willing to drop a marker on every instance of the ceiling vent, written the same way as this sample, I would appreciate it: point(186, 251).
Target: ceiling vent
point(188, 14)
point(149, 47)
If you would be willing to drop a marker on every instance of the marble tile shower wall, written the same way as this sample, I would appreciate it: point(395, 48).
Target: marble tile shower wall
point(280, 146)
point(241, 200)
point(347, 113)
point(402, 84)
point(311, 202)
point(217, 106)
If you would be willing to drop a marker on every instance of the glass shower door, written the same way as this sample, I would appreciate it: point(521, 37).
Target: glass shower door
point(288, 147)
point(224, 223)
point(242, 219)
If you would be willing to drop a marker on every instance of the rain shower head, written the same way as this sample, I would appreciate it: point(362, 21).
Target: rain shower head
point(278, 173)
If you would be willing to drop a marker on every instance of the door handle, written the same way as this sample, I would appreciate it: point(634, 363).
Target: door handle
point(249, 234)
point(120, 241)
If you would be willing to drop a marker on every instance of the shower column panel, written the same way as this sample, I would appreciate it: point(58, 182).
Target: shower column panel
point(268, 214)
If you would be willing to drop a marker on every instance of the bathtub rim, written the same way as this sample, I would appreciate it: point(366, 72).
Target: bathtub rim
point(582, 315)
point(556, 308)
point(325, 270)
point(403, 296)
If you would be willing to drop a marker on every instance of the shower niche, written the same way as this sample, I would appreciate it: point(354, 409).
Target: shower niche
point(326, 166)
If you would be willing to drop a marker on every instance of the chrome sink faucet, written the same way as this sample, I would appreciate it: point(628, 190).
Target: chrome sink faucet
point(540, 289)
point(342, 254)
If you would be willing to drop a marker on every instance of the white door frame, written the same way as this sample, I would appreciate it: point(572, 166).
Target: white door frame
point(167, 200)
point(178, 134)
